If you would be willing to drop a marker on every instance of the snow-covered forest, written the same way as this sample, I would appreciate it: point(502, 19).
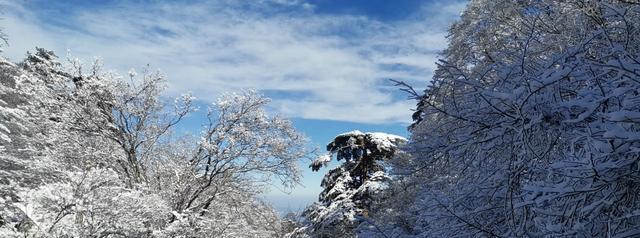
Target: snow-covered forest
point(529, 127)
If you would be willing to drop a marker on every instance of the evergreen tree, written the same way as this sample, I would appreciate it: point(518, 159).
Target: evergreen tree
point(350, 189)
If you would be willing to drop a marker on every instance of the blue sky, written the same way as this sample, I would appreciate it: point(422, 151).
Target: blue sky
point(324, 63)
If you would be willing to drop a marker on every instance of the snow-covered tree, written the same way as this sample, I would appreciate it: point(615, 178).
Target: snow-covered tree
point(349, 190)
point(141, 119)
point(37, 96)
point(86, 153)
point(530, 125)
point(216, 180)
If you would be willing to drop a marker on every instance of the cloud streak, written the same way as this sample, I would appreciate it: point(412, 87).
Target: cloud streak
point(314, 66)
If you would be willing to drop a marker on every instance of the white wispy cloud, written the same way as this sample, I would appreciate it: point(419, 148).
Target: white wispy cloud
point(320, 66)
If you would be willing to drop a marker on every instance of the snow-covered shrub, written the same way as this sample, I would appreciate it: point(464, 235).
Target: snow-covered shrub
point(94, 203)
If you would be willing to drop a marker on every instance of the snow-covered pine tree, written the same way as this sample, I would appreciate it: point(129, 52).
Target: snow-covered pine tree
point(351, 188)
